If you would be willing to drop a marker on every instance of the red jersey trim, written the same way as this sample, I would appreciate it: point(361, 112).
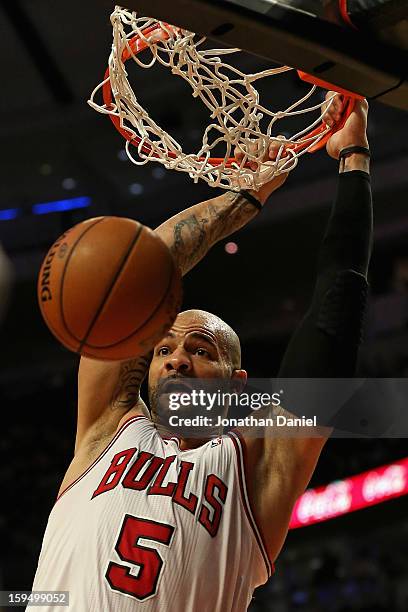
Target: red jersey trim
point(240, 448)
point(103, 453)
point(174, 438)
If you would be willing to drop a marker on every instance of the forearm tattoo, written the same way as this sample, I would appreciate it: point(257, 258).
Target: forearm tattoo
point(127, 391)
point(205, 224)
point(190, 240)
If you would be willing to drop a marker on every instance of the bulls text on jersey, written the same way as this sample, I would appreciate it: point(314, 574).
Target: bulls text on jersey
point(148, 473)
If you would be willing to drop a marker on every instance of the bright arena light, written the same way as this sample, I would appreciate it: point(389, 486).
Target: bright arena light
point(69, 183)
point(136, 189)
point(9, 213)
point(231, 248)
point(61, 205)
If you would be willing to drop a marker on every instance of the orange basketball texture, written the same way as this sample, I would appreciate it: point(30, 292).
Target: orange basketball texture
point(109, 288)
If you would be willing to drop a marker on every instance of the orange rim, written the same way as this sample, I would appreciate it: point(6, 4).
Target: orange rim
point(349, 98)
point(137, 45)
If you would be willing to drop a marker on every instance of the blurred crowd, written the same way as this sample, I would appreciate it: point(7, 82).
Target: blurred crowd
point(362, 571)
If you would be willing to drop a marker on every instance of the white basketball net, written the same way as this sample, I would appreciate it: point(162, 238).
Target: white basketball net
point(228, 93)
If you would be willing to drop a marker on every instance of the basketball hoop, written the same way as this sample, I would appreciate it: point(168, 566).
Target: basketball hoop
point(232, 100)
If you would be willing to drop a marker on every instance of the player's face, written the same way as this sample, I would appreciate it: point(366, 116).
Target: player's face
point(191, 350)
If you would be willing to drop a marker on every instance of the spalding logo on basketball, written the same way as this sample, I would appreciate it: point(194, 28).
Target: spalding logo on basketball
point(109, 288)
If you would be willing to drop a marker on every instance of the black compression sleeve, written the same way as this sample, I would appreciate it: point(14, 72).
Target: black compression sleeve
point(327, 340)
point(348, 238)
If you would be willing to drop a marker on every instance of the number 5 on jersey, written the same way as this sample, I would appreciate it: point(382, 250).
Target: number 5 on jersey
point(148, 559)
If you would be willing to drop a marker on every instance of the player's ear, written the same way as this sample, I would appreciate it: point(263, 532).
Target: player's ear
point(239, 380)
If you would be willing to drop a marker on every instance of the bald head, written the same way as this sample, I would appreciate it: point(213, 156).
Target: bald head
point(227, 338)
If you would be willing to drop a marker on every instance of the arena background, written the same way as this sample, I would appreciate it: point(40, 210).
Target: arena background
point(55, 148)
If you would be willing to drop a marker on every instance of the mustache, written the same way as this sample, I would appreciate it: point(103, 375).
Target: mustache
point(174, 382)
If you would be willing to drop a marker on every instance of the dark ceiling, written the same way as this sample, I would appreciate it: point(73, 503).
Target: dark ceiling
point(53, 55)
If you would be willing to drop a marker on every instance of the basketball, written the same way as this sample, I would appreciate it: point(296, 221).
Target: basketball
point(109, 289)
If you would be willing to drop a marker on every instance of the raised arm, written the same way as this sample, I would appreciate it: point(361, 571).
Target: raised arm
point(108, 390)
point(325, 345)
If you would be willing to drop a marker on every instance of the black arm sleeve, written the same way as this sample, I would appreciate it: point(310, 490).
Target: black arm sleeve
point(327, 340)
point(326, 343)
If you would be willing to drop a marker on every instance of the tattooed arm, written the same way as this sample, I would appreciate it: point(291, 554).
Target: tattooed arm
point(192, 233)
point(109, 390)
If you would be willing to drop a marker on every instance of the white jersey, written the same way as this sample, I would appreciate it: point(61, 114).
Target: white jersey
point(152, 528)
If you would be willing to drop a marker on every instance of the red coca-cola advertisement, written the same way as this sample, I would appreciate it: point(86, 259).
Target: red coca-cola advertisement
point(354, 493)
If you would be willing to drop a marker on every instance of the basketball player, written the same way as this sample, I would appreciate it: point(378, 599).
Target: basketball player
point(152, 522)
